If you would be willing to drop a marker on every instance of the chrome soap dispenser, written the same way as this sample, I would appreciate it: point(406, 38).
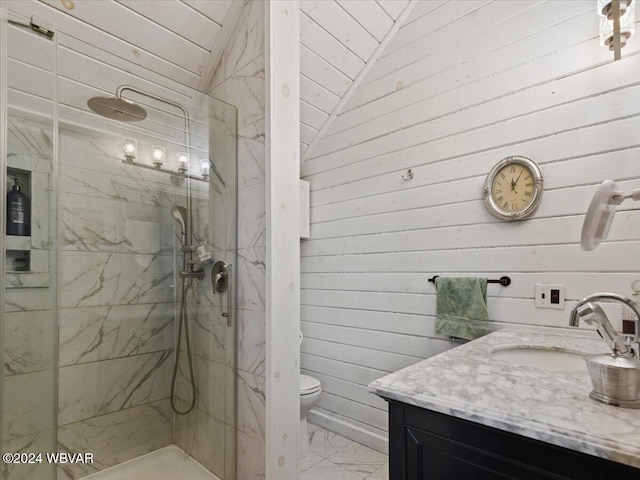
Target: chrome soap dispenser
point(18, 212)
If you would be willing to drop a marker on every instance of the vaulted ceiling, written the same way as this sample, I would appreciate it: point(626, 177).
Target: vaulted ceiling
point(338, 40)
point(184, 39)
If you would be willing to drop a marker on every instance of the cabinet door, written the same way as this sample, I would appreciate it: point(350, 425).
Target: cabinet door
point(426, 445)
point(433, 457)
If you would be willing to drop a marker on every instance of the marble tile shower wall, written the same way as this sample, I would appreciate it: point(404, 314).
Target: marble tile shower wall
point(208, 432)
point(30, 337)
point(240, 81)
point(116, 312)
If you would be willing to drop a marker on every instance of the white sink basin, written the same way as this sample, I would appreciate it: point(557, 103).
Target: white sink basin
point(550, 359)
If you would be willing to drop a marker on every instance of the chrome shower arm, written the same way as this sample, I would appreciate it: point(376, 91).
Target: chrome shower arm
point(123, 88)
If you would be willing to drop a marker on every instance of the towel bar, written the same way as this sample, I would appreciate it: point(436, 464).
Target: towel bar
point(504, 281)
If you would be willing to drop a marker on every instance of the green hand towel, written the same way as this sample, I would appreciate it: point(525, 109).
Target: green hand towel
point(462, 307)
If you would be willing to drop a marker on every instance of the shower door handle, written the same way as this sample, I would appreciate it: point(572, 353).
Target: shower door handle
point(229, 296)
point(221, 279)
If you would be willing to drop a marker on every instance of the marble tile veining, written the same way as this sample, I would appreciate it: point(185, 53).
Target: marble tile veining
point(248, 43)
point(251, 278)
point(30, 138)
point(109, 226)
point(325, 470)
point(116, 437)
point(333, 456)
point(90, 334)
point(325, 443)
point(28, 404)
point(252, 226)
point(96, 278)
point(251, 404)
point(251, 153)
point(251, 341)
point(39, 442)
point(92, 389)
point(251, 458)
point(29, 341)
point(203, 436)
point(210, 385)
point(245, 90)
point(361, 460)
point(554, 407)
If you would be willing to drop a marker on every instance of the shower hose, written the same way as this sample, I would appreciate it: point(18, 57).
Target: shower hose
point(187, 283)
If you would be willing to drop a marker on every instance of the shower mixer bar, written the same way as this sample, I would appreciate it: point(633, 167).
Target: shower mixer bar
point(185, 113)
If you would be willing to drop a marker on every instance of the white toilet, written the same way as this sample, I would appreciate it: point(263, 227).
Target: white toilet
point(309, 394)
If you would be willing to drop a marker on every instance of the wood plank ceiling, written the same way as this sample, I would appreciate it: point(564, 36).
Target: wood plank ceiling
point(184, 39)
point(338, 39)
point(180, 39)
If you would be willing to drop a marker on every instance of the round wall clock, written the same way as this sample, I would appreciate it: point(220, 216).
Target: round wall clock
point(513, 188)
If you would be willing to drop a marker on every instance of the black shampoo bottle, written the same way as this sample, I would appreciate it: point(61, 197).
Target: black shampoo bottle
point(18, 212)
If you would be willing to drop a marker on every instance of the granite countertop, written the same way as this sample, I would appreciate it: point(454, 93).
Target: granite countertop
point(554, 407)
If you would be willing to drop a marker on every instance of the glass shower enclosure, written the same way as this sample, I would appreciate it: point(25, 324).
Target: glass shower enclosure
point(117, 331)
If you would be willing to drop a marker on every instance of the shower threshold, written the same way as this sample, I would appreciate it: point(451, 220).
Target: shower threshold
point(167, 463)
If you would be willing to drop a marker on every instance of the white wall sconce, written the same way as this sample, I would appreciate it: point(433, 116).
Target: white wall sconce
point(129, 149)
point(158, 155)
point(205, 168)
point(183, 162)
point(617, 24)
point(601, 211)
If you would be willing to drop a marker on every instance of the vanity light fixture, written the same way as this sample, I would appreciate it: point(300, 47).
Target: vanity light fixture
point(183, 162)
point(129, 149)
point(617, 24)
point(158, 154)
point(205, 167)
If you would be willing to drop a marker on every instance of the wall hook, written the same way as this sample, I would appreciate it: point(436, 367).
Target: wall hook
point(407, 176)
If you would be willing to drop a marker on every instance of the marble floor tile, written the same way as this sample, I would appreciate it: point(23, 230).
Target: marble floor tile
point(380, 474)
point(325, 443)
point(327, 470)
point(359, 459)
point(308, 461)
point(312, 428)
point(335, 457)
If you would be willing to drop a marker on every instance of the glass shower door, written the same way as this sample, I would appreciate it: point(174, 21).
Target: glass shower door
point(141, 188)
point(28, 329)
point(91, 289)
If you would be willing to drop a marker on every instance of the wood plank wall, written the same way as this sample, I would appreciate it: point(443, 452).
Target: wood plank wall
point(457, 89)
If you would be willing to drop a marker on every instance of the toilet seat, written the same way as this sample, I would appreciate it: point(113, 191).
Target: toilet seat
point(308, 385)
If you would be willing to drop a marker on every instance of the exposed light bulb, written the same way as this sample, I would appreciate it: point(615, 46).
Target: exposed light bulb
point(129, 149)
point(205, 167)
point(183, 162)
point(158, 154)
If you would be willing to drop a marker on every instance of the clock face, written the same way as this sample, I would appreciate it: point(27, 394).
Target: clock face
point(513, 188)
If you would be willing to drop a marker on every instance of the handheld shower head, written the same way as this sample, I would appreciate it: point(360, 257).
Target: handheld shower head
point(180, 215)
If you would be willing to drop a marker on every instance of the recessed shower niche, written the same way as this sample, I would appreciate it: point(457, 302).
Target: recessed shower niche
point(27, 251)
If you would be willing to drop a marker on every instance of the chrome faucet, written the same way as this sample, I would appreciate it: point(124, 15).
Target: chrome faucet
point(593, 314)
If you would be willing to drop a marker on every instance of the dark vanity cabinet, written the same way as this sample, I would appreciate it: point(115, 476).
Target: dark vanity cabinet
point(428, 445)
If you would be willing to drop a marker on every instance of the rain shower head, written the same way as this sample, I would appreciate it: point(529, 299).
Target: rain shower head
point(117, 108)
point(180, 215)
